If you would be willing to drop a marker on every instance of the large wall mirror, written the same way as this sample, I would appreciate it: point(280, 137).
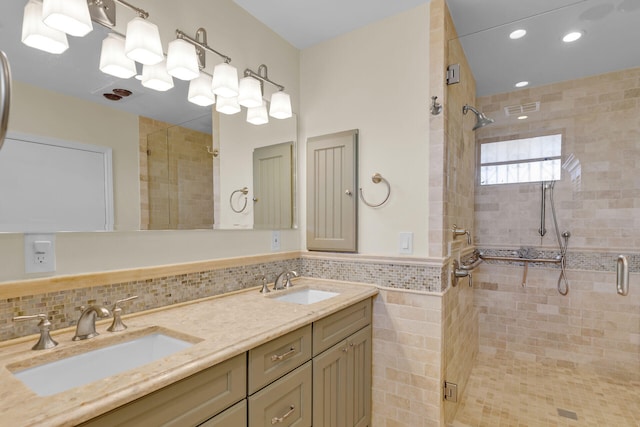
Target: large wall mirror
point(175, 164)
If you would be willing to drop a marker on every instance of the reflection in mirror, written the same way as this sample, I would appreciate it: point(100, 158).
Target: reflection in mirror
point(260, 158)
point(176, 175)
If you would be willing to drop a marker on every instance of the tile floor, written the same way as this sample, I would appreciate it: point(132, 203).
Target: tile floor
point(507, 392)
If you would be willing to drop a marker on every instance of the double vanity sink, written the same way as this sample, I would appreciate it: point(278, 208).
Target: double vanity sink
point(79, 380)
point(68, 372)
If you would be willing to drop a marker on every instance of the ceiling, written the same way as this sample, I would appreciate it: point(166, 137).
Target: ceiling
point(611, 27)
point(612, 31)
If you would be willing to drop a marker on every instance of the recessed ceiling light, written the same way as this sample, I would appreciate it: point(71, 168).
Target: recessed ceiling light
point(572, 36)
point(522, 117)
point(522, 84)
point(517, 34)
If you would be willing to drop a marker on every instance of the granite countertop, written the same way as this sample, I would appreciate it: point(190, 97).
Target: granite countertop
point(220, 327)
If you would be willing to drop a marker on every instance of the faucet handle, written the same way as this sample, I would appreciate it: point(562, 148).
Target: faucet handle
point(263, 279)
point(117, 325)
point(287, 278)
point(45, 341)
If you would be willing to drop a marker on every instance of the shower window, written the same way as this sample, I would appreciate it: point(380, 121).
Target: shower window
point(521, 160)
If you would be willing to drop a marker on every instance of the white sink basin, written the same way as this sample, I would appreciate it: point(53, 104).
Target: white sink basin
point(306, 296)
point(73, 371)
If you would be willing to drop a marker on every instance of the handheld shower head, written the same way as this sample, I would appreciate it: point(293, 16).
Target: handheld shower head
point(481, 119)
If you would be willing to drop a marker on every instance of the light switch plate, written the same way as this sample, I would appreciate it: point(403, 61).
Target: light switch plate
point(39, 253)
point(405, 243)
point(275, 240)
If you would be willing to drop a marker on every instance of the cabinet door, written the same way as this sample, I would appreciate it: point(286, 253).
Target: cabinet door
point(342, 383)
point(332, 192)
point(359, 378)
point(329, 387)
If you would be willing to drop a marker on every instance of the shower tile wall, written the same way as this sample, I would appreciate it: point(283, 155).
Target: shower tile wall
point(597, 200)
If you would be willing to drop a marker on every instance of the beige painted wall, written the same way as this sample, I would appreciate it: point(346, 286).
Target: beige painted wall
point(376, 79)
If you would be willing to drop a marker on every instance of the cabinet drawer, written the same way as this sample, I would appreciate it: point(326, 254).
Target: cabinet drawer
point(286, 402)
point(272, 360)
point(236, 416)
point(187, 402)
point(333, 329)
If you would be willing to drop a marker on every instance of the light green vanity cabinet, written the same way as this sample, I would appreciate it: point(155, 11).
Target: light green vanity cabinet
point(318, 375)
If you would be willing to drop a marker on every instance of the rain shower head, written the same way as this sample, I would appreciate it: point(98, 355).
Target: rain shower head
point(481, 119)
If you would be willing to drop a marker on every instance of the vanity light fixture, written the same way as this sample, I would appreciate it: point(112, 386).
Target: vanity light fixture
point(282, 101)
point(156, 77)
point(250, 92)
point(142, 43)
point(200, 92)
point(38, 35)
point(182, 60)
point(227, 105)
point(225, 76)
point(280, 107)
point(258, 115)
point(113, 61)
point(69, 16)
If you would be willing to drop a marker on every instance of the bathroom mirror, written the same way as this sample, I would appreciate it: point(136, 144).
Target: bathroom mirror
point(74, 78)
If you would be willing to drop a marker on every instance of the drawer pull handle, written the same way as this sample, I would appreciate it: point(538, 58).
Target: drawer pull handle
point(278, 357)
point(276, 420)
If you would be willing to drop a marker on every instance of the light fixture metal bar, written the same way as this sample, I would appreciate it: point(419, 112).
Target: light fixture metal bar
point(181, 35)
point(141, 13)
point(263, 78)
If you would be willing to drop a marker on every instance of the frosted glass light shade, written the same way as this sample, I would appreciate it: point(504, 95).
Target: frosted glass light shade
point(280, 107)
point(156, 77)
point(39, 36)
point(182, 60)
point(258, 115)
point(249, 92)
point(142, 42)
point(69, 16)
point(225, 80)
point(227, 105)
point(200, 91)
point(113, 61)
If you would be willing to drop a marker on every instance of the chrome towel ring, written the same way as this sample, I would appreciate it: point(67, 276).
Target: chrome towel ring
point(377, 178)
point(243, 190)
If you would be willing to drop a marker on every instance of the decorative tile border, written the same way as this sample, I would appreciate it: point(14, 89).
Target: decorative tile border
point(63, 306)
point(390, 274)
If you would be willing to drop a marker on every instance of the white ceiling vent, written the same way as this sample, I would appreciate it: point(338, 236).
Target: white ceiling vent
point(517, 110)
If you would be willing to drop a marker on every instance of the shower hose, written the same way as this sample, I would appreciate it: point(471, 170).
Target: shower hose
point(563, 283)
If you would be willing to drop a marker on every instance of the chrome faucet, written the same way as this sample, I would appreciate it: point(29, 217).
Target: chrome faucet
point(87, 323)
point(284, 280)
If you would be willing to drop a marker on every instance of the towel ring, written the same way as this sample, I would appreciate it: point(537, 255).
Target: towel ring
point(377, 178)
point(243, 190)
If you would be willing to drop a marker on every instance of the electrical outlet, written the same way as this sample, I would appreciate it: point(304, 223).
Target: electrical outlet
point(275, 240)
point(39, 253)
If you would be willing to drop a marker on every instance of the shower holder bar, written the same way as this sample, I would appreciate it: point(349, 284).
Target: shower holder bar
point(526, 262)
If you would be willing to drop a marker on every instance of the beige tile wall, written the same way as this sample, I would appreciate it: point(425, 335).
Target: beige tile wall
point(597, 200)
point(407, 347)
